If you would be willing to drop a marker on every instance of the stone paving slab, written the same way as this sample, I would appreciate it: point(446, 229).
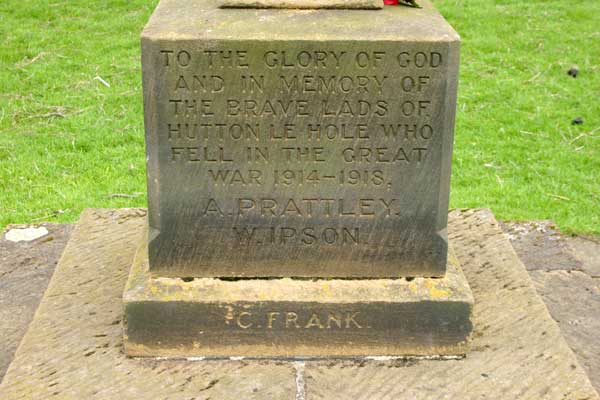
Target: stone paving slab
point(73, 348)
point(563, 270)
point(25, 270)
point(573, 300)
point(587, 249)
point(540, 246)
point(517, 352)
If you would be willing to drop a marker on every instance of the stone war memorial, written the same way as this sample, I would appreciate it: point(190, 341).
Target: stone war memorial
point(308, 166)
point(297, 241)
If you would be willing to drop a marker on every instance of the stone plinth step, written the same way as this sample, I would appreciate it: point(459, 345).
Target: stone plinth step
point(74, 346)
point(173, 317)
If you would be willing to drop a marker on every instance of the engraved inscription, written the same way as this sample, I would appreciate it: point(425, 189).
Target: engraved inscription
point(346, 319)
point(284, 152)
point(299, 119)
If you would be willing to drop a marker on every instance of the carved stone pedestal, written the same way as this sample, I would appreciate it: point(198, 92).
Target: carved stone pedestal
point(298, 183)
point(175, 317)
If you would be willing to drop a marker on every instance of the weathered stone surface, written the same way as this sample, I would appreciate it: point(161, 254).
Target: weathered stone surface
point(587, 249)
point(74, 345)
point(68, 352)
point(74, 349)
point(25, 270)
point(290, 143)
point(573, 300)
point(562, 279)
point(172, 317)
point(517, 350)
point(300, 4)
point(541, 246)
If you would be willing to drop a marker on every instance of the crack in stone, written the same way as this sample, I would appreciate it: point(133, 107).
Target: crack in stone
point(300, 383)
point(210, 385)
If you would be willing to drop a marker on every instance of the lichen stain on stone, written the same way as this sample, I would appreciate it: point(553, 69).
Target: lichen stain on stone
point(435, 291)
point(413, 287)
point(326, 288)
point(229, 315)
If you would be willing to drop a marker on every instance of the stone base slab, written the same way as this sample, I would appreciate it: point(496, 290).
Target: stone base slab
point(74, 346)
point(304, 4)
point(174, 317)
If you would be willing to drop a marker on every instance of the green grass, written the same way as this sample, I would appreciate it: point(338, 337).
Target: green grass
point(516, 151)
point(67, 141)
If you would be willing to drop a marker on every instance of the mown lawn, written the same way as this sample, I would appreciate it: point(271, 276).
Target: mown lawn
point(71, 129)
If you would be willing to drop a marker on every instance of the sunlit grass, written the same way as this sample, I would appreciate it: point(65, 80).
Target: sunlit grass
point(71, 126)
